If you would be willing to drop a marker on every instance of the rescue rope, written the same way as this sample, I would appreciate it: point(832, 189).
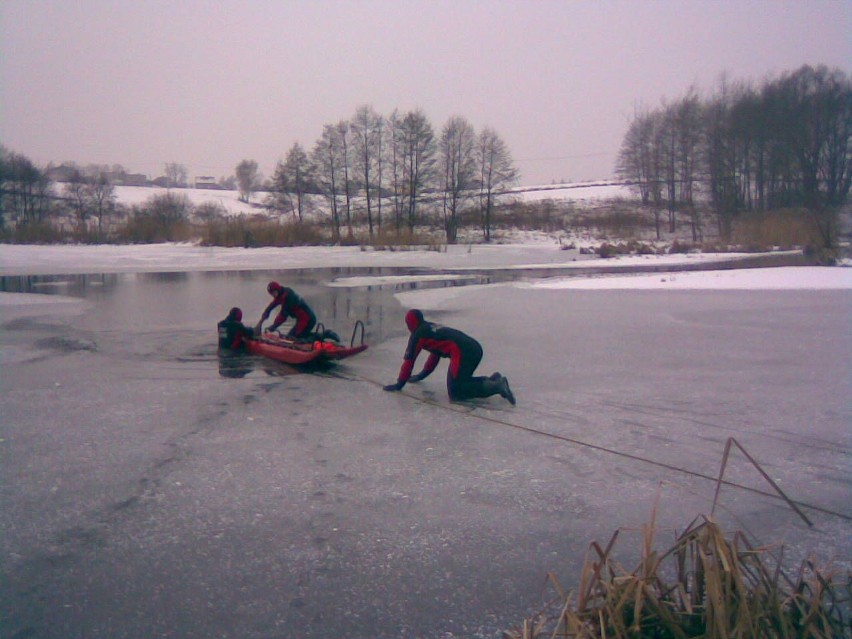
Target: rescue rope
point(603, 449)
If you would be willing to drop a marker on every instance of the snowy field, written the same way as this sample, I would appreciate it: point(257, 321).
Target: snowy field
point(230, 203)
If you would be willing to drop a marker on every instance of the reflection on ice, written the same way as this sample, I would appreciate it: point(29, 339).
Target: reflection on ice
point(351, 282)
point(75, 285)
point(237, 365)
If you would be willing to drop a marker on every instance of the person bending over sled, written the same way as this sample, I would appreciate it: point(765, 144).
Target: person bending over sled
point(464, 352)
point(232, 332)
point(291, 306)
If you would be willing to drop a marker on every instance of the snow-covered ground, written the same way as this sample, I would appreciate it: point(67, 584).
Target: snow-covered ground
point(579, 192)
point(779, 278)
point(231, 204)
point(229, 201)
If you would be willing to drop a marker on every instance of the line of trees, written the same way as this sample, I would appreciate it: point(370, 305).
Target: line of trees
point(84, 206)
point(24, 190)
point(54, 203)
point(786, 143)
point(90, 195)
point(387, 173)
point(391, 166)
point(28, 199)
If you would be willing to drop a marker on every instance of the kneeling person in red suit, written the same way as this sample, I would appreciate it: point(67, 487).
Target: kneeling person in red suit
point(464, 353)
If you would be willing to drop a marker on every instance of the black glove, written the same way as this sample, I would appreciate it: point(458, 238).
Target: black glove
point(394, 387)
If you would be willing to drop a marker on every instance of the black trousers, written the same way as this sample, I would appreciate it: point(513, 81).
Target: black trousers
point(464, 385)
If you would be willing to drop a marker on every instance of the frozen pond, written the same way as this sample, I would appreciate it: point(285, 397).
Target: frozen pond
point(150, 488)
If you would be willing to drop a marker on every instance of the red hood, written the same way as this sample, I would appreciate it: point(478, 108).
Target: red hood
point(413, 319)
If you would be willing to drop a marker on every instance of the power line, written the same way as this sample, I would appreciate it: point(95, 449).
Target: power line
point(566, 157)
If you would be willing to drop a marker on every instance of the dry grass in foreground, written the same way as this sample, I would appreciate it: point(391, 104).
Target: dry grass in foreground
point(703, 586)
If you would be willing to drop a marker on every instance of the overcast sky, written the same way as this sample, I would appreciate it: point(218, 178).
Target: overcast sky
point(209, 83)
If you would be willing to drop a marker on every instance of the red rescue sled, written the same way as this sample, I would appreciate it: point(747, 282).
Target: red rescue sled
point(289, 351)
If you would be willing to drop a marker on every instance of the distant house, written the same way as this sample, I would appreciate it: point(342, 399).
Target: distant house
point(122, 178)
point(135, 179)
point(205, 182)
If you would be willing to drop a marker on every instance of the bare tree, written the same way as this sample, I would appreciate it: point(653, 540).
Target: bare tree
point(836, 168)
point(280, 195)
point(395, 154)
point(418, 146)
point(380, 164)
point(496, 173)
point(291, 182)
point(667, 135)
point(458, 168)
point(639, 161)
point(346, 166)
point(26, 190)
point(788, 143)
point(167, 211)
point(631, 165)
point(819, 107)
point(176, 174)
point(4, 183)
point(75, 190)
point(366, 130)
point(327, 159)
point(90, 195)
point(678, 138)
point(688, 121)
point(248, 179)
point(723, 150)
point(101, 196)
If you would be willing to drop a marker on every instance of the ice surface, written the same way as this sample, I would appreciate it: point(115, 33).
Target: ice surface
point(150, 487)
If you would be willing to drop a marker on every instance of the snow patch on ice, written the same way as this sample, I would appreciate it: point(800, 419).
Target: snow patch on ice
point(436, 299)
point(30, 299)
point(777, 278)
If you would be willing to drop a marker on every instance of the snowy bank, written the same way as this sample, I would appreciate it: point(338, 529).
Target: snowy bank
point(24, 260)
point(20, 259)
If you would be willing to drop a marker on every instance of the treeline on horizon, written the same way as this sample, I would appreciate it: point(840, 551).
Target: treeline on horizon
point(784, 144)
point(385, 173)
point(778, 149)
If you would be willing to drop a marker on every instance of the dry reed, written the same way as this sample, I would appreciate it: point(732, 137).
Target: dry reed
point(705, 585)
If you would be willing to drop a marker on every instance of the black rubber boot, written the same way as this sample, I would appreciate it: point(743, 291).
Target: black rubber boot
point(491, 386)
point(505, 391)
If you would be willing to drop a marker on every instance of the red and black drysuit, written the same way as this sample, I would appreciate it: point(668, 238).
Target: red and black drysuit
point(464, 352)
point(291, 306)
point(232, 332)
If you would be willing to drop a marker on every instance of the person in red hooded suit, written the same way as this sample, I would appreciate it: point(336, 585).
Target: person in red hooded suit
point(464, 353)
point(291, 306)
point(232, 332)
